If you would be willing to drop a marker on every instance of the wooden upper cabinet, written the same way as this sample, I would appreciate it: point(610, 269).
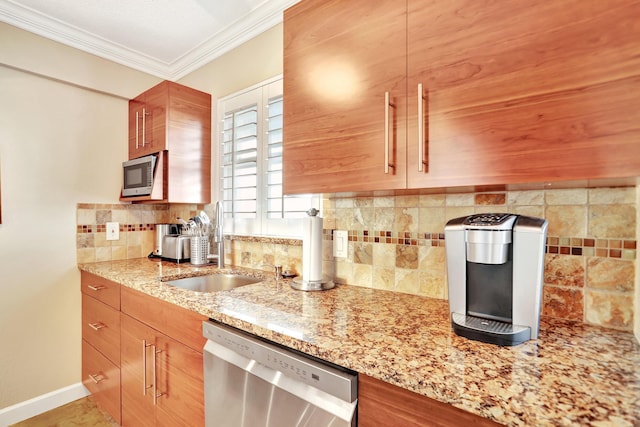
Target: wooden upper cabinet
point(174, 121)
point(148, 121)
point(518, 92)
point(340, 58)
point(511, 92)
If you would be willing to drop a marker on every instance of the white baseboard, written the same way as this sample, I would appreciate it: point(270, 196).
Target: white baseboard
point(32, 407)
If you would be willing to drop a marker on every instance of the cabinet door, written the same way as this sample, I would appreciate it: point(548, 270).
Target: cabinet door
point(523, 91)
point(148, 121)
point(172, 371)
point(156, 102)
point(340, 58)
point(136, 375)
point(180, 379)
point(136, 110)
point(382, 404)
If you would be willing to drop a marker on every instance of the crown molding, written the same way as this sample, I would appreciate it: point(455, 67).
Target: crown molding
point(256, 22)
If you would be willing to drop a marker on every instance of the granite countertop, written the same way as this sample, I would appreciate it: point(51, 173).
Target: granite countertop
point(574, 374)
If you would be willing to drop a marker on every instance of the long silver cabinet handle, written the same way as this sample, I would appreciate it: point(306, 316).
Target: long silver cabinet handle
point(156, 395)
point(96, 287)
point(420, 128)
point(97, 326)
point(137, 133)
point(387, 125)
point(145, 387)
point(144, 123)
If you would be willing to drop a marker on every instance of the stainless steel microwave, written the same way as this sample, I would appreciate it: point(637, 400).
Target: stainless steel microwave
point(138, 176)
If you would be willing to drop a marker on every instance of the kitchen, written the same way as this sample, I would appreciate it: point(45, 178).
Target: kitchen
point(39, 274)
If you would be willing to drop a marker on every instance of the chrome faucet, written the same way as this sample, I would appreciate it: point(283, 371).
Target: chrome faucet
point(277, 270)
point(217, 237)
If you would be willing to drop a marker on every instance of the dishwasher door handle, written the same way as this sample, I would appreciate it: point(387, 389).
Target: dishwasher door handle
point(316, 397)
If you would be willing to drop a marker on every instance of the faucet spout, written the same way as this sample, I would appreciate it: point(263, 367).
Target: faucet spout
point(218, 234)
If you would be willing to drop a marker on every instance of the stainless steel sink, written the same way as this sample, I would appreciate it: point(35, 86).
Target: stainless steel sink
point(214, 282)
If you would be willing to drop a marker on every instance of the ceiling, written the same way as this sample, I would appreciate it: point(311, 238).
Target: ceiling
point(165, 38)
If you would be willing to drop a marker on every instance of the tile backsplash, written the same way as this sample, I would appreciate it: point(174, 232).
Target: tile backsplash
point(397, 243)
point(137, 229)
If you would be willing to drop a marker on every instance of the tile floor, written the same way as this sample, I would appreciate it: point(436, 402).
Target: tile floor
point(79, 413)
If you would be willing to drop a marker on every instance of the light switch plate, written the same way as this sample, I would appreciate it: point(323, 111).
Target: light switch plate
point(113, 231)
point(340, 243)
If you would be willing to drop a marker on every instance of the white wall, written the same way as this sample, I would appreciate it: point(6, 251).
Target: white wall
point(255, 61)
point(60, 144)
point(63, 135)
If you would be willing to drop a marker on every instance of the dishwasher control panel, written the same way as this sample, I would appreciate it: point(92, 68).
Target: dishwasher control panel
point(286, 361)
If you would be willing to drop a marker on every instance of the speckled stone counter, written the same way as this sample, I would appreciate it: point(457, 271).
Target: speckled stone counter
point(572, 375)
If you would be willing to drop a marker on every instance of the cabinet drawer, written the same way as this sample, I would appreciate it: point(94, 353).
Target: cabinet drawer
point(101, 327)
point(183, 325)
point(100, 288)
point(102, 378)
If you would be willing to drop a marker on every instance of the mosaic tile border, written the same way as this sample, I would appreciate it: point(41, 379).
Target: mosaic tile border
point(579, 246)
point(102, 228)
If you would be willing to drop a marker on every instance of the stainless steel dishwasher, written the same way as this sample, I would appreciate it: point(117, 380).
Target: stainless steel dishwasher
point(250, 382)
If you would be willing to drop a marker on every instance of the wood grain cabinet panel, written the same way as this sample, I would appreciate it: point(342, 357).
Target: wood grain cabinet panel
point(179, 323)
point(340, 58)
point(101, 289)
point(101, 341)
point(496, 93)
point(101, 328)
point(174, 120)
point(382, 405)
point(519, 92)
point(154, 362)
point(102, 378)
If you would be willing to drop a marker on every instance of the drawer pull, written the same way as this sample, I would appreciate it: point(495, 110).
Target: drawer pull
point(96, 287)
point(96, 378)
point(97, 326)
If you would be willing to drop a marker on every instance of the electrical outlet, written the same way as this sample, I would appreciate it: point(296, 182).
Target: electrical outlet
point(340, 243)
point(113, 231)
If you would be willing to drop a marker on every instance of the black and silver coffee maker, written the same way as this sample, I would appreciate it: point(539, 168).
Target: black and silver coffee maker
point(495, 265)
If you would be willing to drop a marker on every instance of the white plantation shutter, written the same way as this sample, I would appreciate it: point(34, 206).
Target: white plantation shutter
point(240, 162)
point(274, 199)
point(251, 165)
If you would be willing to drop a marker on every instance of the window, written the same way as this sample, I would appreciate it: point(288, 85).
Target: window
point(251, 165)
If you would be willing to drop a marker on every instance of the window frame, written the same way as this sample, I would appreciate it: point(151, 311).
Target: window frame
point(262, 225)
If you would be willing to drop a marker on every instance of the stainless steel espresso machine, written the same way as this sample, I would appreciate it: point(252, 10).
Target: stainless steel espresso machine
point(495, 265)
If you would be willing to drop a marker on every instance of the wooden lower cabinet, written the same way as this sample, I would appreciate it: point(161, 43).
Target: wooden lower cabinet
point(162, 378)
point(101, 341)
point(381, 404)
point(102, 378)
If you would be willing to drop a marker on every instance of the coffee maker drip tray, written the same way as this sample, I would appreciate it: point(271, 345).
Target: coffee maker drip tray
point(489, 331)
